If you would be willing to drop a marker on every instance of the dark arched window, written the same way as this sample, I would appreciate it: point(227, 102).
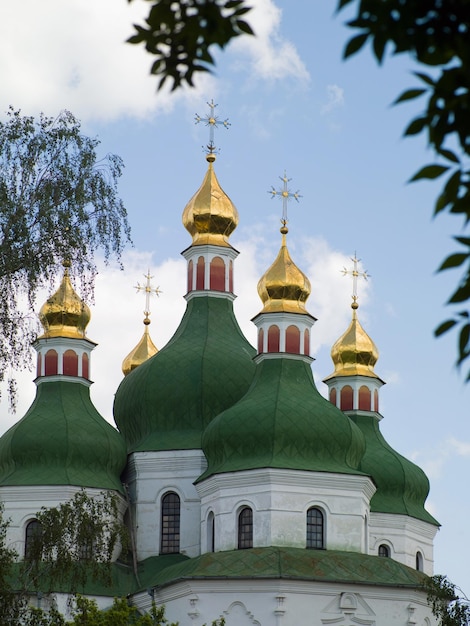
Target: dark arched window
point(384, 550)
point(32, 534)
point(419, 561)
point(170, 530)
point(210, 532)
point(315, 529)
point(245, 528)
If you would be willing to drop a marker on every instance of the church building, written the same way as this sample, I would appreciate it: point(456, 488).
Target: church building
point(247, 494)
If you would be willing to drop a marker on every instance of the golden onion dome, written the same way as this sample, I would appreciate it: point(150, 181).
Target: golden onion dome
point(284, 287)
point(65, 314)
point(354, 353)
point(141, 353)
point(210, 216)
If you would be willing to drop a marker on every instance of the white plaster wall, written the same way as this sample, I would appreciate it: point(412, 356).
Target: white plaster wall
point(248, 602)
point(405, 536)
point(22, 503)
point(280, 499)
point(150, 476)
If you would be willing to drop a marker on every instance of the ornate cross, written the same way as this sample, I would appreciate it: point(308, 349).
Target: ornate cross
point(213, 121)
point(149, 290)
point(355, 273)
point(285, 194)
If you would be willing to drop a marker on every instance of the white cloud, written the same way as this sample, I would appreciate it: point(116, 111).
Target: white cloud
point(335, 99)
point(272, 56)
point(72, 55)
point(434, 461)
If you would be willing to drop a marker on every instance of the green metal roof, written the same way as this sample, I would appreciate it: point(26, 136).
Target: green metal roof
point(402, 486)
point(283, 422)
point(287, 563)
point(258, 563)
point(165, 403)
point(62, 440)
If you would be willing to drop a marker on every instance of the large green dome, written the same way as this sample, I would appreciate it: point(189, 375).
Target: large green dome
point(62, 440)
point(402, 486)
point(167, 402)
point(283, 422)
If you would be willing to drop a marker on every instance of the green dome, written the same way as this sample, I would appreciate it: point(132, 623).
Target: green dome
point(283, 422)
point(62, 440)
point(402, 486)
point(166, 403)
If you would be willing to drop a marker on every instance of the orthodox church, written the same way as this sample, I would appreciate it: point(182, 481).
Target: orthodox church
point(247, 494)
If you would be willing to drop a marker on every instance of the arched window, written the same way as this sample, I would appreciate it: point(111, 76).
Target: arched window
point(190, 275)
point(315, 529)
point(85, 365)
point(39, 364)
point(346, 398)
point(245, 528)
point(210, 532)
point(70, 363)
point(217, 274)
point(384, 550)
point(364, 398)
point(32, 534)
point(307, 342)
point(419, 561)
point(293, 340)
point(333, 396)
point(51, 362)
point(200, 269)
point(273, 339)
point(260, 341)
point(376, 400)
point(170, 529)
point(230, 277)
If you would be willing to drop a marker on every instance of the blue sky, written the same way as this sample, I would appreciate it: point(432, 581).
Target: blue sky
point(294, 105)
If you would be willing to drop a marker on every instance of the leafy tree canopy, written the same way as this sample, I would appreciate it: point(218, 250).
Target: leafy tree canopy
point(58, 201)
point(75, 543)
point(435, 34)
point(447, 605)
point(180, 34)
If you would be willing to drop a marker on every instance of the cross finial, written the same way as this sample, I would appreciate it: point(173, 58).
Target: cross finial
point(213, 121)
point(355, 273)
point(149, 290)
point(285, 194)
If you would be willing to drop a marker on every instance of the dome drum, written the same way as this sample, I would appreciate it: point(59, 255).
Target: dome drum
point(355, 393)
point(287, 333)
point(210, 268)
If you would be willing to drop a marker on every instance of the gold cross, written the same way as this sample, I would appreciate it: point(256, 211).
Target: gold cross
point(355, 273)
point(213, 121)
point(149, 290)
point(285, 194)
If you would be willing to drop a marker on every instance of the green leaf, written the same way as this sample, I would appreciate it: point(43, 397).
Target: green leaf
point(460, 295)
point(416, 126)
point(425, 78)
point(342, 4)
point(444, 327)
point(409, 94)
point(355, 44)
point(245, 27)
point(449, 155)
point(429, 171)
point(464, 340)
point(454, 260)
point(463, 240)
